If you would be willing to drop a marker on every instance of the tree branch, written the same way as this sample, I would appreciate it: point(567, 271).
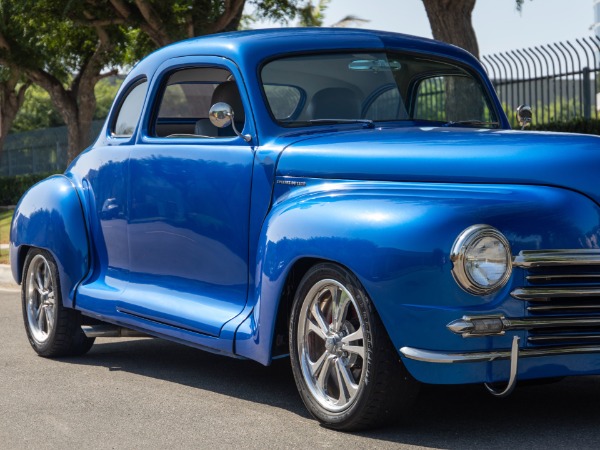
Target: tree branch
point(3, 42)
point(101, 22)
point(232, 9)
point(153, 23)
point(121, 8)
point(21, 92)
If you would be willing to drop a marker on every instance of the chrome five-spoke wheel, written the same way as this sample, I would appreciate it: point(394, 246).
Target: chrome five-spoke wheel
point(331, 345)
point(41, 303)
point(347, 371)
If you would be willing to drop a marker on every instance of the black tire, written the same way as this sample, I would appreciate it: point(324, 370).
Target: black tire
point(52, 329)
point(349, 348)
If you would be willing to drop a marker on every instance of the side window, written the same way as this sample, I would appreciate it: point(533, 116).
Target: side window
point(387, 105)
point(285, 101)
point(451, 98)
point(186, 99)
point(129, 112)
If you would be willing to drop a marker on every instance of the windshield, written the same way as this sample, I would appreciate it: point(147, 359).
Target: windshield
point(371, 87)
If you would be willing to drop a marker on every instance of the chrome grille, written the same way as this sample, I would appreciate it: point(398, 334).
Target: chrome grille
point(563, 288)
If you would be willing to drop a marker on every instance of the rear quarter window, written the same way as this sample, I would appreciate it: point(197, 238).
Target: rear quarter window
point(129, 111)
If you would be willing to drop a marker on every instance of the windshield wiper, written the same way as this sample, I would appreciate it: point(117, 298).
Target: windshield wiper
point(470, 123)
point(368, 122)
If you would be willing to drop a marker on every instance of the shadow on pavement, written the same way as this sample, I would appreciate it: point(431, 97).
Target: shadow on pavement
point(562, 414)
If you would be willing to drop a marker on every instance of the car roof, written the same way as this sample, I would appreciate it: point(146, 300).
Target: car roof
point(250, 48)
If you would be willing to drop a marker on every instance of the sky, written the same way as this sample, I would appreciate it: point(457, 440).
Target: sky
point(498, 25)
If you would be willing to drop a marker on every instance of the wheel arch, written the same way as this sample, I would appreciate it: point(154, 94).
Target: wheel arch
point(300, 267)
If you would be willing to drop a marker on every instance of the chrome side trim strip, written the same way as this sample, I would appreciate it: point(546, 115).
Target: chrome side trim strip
point(450, 358)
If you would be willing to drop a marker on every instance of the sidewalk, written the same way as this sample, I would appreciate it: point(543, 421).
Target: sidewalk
point(6, 279)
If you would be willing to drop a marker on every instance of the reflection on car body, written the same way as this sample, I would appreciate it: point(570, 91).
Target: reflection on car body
point(355, 200)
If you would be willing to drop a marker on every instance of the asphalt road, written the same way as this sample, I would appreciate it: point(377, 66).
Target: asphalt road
point(153, 394)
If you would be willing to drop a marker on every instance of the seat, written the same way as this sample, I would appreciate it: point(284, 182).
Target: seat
point(335, 103)
point(226, 92)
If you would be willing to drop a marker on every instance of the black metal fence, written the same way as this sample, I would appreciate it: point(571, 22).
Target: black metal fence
point(560, 80)
point(38, 151)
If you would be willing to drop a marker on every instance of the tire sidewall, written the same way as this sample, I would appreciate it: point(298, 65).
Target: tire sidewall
point(315, 274)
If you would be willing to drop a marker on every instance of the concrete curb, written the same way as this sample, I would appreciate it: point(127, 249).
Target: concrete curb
point(6, 278)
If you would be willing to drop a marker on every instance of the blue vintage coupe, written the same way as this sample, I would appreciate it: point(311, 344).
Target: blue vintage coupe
point(355, 200)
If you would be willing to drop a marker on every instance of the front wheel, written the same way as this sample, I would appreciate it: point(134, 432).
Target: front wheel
point(347, 372)
point(52, 329)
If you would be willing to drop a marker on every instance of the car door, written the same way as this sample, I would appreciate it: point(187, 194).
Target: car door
point(104, 170)
point(189, 203)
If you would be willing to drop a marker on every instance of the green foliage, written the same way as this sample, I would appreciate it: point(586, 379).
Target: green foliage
point(278, 10)
point(106, 90)
point(13, 188)
point(46, 34)
point(572, 126)
point(38, 112)
point(312, 15)
point(5, 219)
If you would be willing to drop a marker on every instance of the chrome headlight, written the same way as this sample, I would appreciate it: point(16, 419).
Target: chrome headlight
point(482, 260)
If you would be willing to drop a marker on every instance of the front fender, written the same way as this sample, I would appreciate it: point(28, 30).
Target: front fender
point(396, 238)
point(50, 216)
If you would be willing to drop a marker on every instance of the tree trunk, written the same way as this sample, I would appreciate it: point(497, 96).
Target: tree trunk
point(78, 112)
point(76, 107)
point(450, 22)
point(11, 100)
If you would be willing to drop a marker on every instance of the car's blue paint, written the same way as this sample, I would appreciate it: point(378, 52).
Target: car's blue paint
point(50, 216)
point(396, 237)
point(450, 155)
point(235, 217)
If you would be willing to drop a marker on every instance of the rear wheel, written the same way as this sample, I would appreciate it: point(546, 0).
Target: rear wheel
point(346, 370)
point(52, 329)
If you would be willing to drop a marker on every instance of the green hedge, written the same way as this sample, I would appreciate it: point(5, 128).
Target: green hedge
point(12, 188)
point(572, 126)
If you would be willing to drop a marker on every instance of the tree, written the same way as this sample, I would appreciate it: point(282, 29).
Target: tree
point(67, 47)
point(451, 21)
point(12, 96)
point(161, 23)
point(66, 59)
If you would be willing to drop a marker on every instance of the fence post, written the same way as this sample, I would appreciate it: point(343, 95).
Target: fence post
point(587, 94)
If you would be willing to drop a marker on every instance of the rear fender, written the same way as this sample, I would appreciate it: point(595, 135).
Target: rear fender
point(50, 216)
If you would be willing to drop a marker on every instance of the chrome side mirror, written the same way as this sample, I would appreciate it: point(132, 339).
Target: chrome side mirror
point(221, 116)
point(524, 115)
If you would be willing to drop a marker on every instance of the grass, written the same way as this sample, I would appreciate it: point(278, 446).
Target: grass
point(5, 218)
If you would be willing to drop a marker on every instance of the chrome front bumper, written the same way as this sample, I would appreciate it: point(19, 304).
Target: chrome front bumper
point(514, 354)
point(495, 355)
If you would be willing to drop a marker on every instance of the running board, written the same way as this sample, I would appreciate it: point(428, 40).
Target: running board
point(105, 330)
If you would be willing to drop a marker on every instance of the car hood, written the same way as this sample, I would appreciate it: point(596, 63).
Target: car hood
point(449, 155)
